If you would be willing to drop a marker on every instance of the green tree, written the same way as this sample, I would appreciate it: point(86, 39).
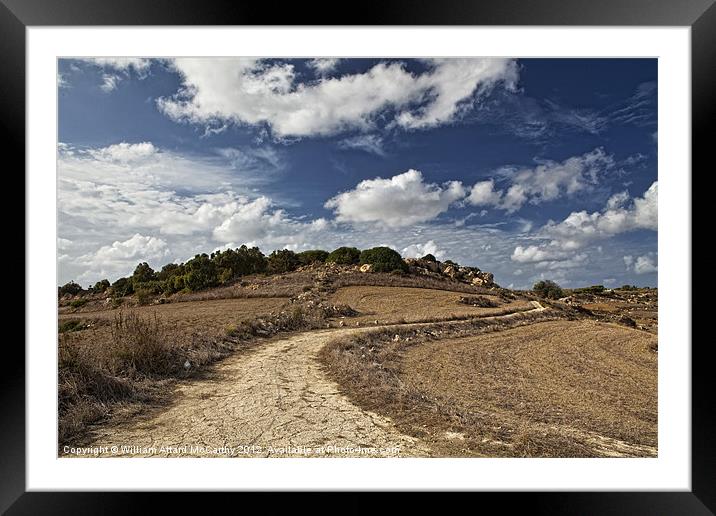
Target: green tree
point(383, 259)
point(170, 276)
point(243, 261)
point(122, 287)
point(344, 256)
point(143, 273)
point(312, 256)
point(201, 273)
point(71, 288)
point(282, 261)
point(100, 286)
point(169, 271)
point(548, 289)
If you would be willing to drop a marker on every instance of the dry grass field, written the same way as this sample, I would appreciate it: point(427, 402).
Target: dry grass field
point(210, 316)
point(551, 389)
point(390, 305)
point(115, 362)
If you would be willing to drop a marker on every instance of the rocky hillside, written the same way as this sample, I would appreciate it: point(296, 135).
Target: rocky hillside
point(471, 275)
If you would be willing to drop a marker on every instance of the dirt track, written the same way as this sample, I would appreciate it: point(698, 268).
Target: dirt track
point(274, 401)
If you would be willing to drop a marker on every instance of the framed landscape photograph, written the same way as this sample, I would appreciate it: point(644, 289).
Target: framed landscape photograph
point(430, 250)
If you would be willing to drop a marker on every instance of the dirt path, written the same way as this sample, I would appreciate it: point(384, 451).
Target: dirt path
point(271, 402)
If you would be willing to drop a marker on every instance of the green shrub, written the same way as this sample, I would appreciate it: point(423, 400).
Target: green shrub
point(144, 296)
point(480, 301)
point(548, 289)
point(177, 283)
point(122, 287)
point(312, 256)
point(225, 275)
point(71, 288)
point(344, 256)
point(429, 258)
point(153, 287)
point(282, 261)
point(100, 286)
point(170, 276)
point(142, 274)
point(72, 325)
point(233, 263)
point(201, 273)
point(169, 271)
point(78, 303)
point(594, 289)
point(383, 259)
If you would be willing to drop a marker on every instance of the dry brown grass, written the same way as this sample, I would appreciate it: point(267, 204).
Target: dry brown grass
point(552, 389)
point(123, 361)
point(407, 304)
point(192, 316)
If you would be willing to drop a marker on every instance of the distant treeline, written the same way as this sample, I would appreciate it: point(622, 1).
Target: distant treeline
point(222, 267)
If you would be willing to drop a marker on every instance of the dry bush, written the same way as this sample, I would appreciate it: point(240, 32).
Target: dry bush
point(130, 361)
point(140, 344)
point(481, 301)
point(86, 385)
point(295, 316)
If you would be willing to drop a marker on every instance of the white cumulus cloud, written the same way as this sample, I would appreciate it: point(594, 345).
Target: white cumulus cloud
point(420, 250)
point(644, 264)
point(619, 216)
point(561, 242)
point(483, 194)
point(402, 200)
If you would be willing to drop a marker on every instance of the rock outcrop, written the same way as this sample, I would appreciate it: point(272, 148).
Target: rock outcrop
point(470, 275)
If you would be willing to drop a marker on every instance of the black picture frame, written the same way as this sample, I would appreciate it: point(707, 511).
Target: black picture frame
point(17, 15)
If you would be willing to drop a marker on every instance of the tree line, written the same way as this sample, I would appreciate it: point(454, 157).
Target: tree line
point(223, 267)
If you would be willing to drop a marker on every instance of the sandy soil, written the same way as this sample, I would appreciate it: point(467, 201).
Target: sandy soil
point(404, 304)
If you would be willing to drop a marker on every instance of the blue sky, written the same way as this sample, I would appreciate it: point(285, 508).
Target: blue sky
point(529, 168)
